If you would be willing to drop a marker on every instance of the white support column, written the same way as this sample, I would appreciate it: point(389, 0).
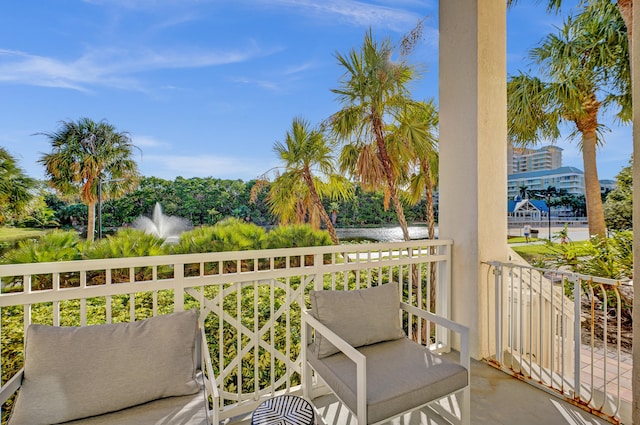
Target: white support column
point(473, 155)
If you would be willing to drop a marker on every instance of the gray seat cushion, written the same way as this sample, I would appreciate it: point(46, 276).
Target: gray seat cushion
point(184, 410)
point(401, 375)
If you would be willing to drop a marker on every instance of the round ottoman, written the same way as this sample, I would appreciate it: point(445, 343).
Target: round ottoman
point(284, 410)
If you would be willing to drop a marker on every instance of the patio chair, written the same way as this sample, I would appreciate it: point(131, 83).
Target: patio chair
point(354, 341)
point(146, 372)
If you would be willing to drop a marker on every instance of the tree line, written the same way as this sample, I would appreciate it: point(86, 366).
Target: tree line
point(208, 200)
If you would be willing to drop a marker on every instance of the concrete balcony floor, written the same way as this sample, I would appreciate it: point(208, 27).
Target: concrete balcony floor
point(496, 399)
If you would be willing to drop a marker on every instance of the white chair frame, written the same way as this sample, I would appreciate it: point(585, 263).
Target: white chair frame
point(310, 323)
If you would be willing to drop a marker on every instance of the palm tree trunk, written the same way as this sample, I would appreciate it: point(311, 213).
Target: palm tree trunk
point(391, 179)
point(323, 213)
point(393, 192)
point(595, 212)
point(91, 221)
point(431, 220)
point(431, 225)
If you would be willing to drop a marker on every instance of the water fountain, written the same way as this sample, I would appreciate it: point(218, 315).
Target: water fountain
point(167, 227)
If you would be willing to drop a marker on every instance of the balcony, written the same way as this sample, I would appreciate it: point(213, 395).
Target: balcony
point(251, 301)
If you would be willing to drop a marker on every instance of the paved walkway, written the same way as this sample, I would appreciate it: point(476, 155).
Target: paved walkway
point(607, 379)
point(580, 233)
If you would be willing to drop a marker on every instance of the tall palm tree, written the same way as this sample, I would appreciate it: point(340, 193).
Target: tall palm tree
point(373, 92)
point(624, 6)
point(86, 153)
point(15, 187)
point(579, 78)
point(298, 192)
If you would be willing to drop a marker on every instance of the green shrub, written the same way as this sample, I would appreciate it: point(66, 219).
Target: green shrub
point(126, 243)
point(296, 235)
point(227, 235)
point(58, 245)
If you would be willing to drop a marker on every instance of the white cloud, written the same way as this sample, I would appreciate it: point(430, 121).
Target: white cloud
point(140, 4)
point(111, 67)
point(354, 12)
point(265, 84)
point(149, 142)
point(299, 68)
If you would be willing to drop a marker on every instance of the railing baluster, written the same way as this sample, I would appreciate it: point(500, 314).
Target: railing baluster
point(530, 322)
point(256, 340)
point(577, 337)
point(605, 337)
point(56, 304)
point(497, 279)
point(272, 330)
point(618, 347)
point(238, 359)
point(83, 301)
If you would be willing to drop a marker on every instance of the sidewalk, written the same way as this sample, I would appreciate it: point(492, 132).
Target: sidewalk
point(594, 374)
point(575, 233)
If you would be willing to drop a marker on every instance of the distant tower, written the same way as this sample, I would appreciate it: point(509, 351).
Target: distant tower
point(523, 160)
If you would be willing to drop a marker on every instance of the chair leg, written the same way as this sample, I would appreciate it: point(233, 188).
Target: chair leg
point(307, 381)
point(306, 368)
point(465, 408)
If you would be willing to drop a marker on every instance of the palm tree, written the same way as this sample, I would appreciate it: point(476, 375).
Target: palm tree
point(524, 191)
point(624, 6)
point(418, 127)
point(373, 92)
point(578, 64)
point(298, 193)
point(84, 155)
point(334, 207)
point(15, 188)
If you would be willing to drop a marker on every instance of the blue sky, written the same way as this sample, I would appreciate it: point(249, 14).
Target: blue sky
point(205, 87)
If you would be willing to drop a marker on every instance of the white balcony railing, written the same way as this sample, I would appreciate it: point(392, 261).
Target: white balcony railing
point(250, 301)
point(563, 332)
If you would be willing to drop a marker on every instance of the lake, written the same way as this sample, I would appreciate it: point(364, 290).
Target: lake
point(382, 234)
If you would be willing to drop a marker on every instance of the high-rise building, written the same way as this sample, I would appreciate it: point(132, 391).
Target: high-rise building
point(523, 160)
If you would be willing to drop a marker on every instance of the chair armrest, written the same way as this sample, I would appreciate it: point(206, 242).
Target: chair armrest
point(11, 386)
point(354, 355)
point(463, 331)
point(211, 387)
point(332, 337)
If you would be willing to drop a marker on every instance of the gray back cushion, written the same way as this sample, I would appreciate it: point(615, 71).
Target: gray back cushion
point(76, 372)
point(360, 317)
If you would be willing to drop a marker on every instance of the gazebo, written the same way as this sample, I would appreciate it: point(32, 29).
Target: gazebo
point(527, 209)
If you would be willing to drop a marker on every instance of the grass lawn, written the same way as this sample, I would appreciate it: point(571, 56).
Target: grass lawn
point(8, 234)
point(521, 239)
point(532, 252)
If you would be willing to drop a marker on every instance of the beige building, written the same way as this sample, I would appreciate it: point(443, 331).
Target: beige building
point(523, 160)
